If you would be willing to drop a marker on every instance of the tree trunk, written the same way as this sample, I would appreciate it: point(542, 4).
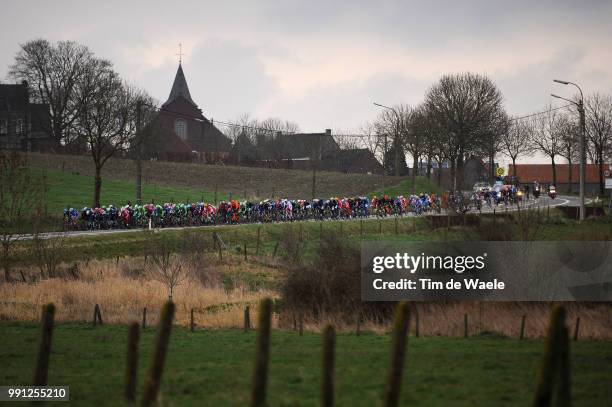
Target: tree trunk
point(600, 159)
point(491, 169)
point(414, 167)
point(97, 187)
point(554, 170)
point(440, 173)
point(459, 173)
point(514, 166)
point(428, 167)
point(569, 175)
point(453, 175)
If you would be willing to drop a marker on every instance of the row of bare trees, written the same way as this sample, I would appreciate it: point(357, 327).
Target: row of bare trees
point(255, 140)
point(91, 108)
point(462, 116)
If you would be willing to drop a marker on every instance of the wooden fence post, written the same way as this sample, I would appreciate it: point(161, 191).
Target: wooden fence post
point(522, 335)
point(144, 318)
point(192, 322)
point(153, 381)
point(262, 355)
point(465, 325)
point(132, 363)
point(398, 354)
point(97, 316)
point(576, 328)
point(247, 319)
point(554, 377)
point(44, 351)
point(275, 249)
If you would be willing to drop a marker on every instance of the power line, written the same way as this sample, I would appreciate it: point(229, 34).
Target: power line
point(539, 113)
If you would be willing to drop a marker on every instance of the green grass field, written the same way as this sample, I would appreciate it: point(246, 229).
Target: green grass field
point(214, 368)
point(67, 189)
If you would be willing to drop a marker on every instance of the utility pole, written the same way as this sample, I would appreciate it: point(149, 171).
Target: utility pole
point(138, 154)
point(384, 165)
point(580, 105)
point(316, 160)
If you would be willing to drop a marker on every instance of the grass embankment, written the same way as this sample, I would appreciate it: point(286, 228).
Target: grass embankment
point(68, 189)
point(215, 367)
point(73, 189)
point(246, 182)
point(132, 243)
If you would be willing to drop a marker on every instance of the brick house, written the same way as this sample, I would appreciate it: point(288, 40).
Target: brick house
point(528, 173)
point(24, 126)
point(180, 132)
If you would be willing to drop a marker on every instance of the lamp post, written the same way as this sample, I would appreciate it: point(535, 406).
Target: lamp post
point(580, 105)
point(397, 144)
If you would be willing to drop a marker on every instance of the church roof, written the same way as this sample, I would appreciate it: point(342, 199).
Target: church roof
point(179, 88)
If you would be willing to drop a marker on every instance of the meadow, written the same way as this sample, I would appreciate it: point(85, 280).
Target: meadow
point(203, 366)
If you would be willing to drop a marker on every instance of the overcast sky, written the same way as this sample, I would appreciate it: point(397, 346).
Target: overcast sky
point(322, 64)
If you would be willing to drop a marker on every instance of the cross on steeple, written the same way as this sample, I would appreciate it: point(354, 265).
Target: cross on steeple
point(180, 54)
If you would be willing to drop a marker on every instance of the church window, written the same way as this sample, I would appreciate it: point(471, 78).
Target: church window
point(180, 128)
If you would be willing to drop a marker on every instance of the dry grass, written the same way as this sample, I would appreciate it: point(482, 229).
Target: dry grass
point(260, 182)
point(122, 290)
point(504, 318)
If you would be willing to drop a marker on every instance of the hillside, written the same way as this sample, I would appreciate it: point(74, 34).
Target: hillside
point(71, 181)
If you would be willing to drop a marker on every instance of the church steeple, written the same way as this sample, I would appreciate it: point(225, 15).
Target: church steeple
point(179, 88)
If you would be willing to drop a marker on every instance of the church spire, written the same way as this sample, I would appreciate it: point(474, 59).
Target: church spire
point(179, 88)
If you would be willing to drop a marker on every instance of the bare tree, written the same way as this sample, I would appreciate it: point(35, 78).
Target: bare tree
point(466, 106)
point(48, 253)
point(515, 141)
point(165, 266)
point(21, 194)
point(388, 126)
point(372, 140)
point(547, 136)
point(108, 119)
point(54, 72)
point(598, 115)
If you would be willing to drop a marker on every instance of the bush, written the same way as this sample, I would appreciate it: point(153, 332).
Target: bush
point(331, 285)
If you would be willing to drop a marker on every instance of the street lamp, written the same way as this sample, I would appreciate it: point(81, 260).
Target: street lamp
point(580, 105)
point(397, 144)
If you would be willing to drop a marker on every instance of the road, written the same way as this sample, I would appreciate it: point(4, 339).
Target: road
point(542, 202)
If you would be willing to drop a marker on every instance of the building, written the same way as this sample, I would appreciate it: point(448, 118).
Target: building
point(180, 132)
point(295, 151)
point(543, 173)
point(24, 126)
point(353, 160)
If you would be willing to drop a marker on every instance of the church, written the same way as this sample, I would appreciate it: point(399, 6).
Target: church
point(180, 132)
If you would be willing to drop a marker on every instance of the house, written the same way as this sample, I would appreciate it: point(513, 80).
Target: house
point(354, 160)
point(543, 173)
point(297, 151)
point(24, 126)
point(180, 132)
